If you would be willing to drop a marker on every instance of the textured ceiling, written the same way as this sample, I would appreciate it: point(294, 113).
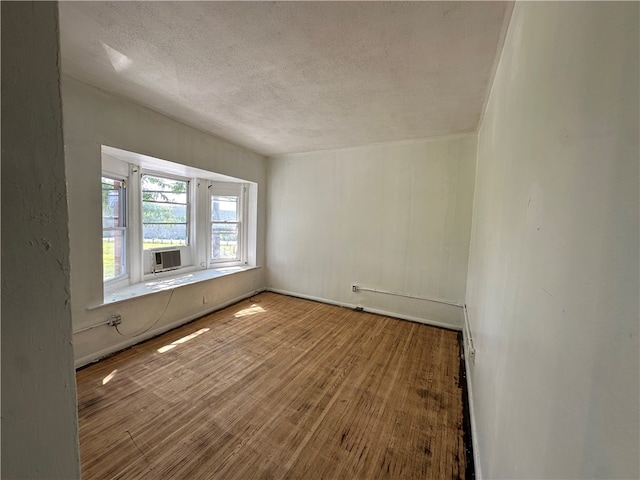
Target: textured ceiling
point(281, 77)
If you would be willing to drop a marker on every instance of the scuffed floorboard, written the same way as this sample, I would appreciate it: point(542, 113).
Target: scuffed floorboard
point(278, 388)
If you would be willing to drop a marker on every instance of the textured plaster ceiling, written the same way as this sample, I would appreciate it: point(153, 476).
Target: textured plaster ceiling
point(281, 77)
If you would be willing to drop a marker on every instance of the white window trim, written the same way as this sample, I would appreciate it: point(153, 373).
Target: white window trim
point(239, 190)
point(122, 279)
point(189, 182)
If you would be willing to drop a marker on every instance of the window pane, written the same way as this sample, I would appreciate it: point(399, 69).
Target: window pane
point(163, 213)
point(224, 208)
point(112, 203)
point(224, 241)
point(113, 253)
point(164, 235)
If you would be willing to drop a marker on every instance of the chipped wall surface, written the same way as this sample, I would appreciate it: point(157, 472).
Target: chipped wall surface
point(39, 421)
point(553, 271)
point(94, 118)
point(395, 217)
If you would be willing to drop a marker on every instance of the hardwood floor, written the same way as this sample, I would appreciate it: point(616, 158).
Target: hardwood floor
point(278, 388)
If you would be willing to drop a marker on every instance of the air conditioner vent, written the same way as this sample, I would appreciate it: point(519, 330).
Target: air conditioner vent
point(166, 260)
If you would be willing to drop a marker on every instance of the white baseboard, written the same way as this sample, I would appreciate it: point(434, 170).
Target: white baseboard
point(401, 316)
point(474, 430)
point(94, 357)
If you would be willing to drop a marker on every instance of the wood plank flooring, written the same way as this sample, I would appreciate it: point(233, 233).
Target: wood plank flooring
point(277, 388)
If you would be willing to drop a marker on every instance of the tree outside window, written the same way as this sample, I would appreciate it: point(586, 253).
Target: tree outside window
point(165, 212)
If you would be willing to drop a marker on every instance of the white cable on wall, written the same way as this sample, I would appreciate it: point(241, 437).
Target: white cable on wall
point(396, 294)
point(92, 326)
point(166, 307)
point(469, 338)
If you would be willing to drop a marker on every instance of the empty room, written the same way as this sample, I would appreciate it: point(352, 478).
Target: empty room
point(320, 240)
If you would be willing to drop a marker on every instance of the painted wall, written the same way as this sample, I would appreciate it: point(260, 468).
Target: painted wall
point(92, 118)
point(395, 217)
point(553, 272)
point(39, 420)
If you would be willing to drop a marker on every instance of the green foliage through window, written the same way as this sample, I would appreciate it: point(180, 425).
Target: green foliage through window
point(165, 211)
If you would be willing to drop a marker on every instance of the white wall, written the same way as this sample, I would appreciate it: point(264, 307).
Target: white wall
point(553, 271)
point(394, 217)
point(92, 118)
point(39, 420)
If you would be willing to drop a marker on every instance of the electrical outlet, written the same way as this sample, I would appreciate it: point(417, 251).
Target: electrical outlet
point(115, 319)
point(354, 287)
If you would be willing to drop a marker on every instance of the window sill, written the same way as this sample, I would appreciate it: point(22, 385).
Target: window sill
point(155, 285)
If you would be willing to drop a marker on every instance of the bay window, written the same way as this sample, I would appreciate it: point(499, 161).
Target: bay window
point(153, 208)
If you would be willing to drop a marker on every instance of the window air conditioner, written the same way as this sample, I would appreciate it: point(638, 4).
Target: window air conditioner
point(166, 260)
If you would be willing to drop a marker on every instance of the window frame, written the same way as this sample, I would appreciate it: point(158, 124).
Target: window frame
point(228, 189)
point(123, 207)
point(189, 222)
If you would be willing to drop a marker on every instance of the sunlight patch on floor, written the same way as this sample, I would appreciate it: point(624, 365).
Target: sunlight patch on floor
point(173, 345)
point(252, 310)
point(106, 379)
